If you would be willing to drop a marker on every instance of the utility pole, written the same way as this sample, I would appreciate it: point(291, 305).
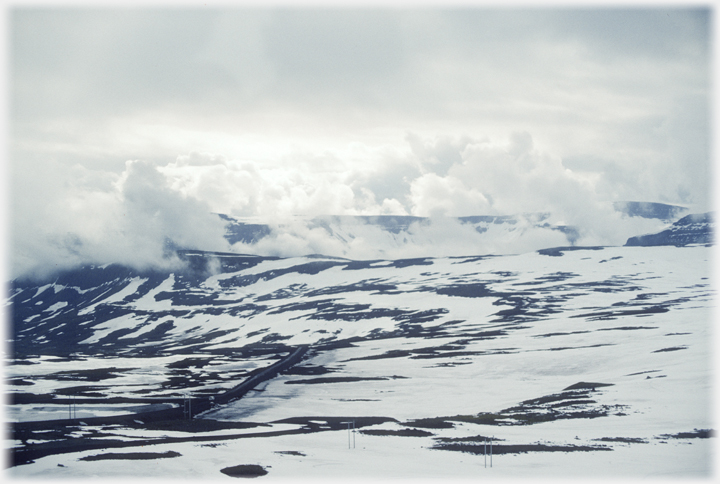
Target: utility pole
point(187, 407)
point(351, 433)
point(72, 409)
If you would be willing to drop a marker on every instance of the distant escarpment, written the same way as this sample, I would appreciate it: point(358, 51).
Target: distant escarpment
point(691, 229)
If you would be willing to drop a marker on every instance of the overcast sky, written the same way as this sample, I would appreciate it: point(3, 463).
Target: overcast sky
point(128, 125)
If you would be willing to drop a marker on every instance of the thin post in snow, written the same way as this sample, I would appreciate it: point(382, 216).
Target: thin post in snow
point(72, 408)
point(485, 451)
point(351, 433)
point(187, 407)
point(491, 440)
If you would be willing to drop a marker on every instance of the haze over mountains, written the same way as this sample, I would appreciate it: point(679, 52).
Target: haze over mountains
point(395, 236)
point(398, 235)
point(361, 237)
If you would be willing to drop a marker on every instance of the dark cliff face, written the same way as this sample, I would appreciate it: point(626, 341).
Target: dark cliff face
point(660, 211)
point(691, 229)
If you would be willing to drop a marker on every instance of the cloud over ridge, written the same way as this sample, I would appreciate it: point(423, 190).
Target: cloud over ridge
point(132, 218)
point(275, 114)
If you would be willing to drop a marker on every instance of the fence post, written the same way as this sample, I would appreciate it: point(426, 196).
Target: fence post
point(187, 407)
point(72, 408)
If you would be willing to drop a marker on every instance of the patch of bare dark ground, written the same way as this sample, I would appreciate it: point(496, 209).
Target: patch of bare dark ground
point(94, 374)
point(585, 385)
point(695, 434)
point(465, 259)
point(574, 402)
point(309, 370)
point(674, 348)
point(499, 449)
point(608, 315)
point(388, 354)
point(548, 335)
point(83, 391)
point(340, 379)
point(132, 456)
point(332, 379)
point(19, 382)
point(558, 251)
point(643, 372)
point(357, 399)
point(333, 423)
point(554, 277)
point(473, 438)
point(431, 423)
point(191, 362)
point(196, 425)
point(399, 433)
point(449, 364)
point(290, 452)
point(563, 348)
point(38, 398)
point(246, 470)
point(627, 440)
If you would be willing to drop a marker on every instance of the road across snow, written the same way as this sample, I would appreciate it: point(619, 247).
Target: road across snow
point(431, 341)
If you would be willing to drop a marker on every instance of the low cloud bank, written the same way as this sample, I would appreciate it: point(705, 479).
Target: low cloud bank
point(356, 238)
point(79, 216)
point(132, 220)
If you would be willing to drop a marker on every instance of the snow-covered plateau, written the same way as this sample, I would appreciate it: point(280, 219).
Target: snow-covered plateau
point(583, 362)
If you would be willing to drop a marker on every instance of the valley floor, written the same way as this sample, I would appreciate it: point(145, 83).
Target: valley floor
point(588, 364)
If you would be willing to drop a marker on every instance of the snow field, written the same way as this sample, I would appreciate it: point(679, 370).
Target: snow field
point(658, 363)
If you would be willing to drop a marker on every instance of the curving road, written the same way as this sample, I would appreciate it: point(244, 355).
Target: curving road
point(28, 453)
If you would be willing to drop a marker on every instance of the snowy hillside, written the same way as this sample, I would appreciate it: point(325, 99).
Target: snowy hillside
point(581, 361)
point(691, 229)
